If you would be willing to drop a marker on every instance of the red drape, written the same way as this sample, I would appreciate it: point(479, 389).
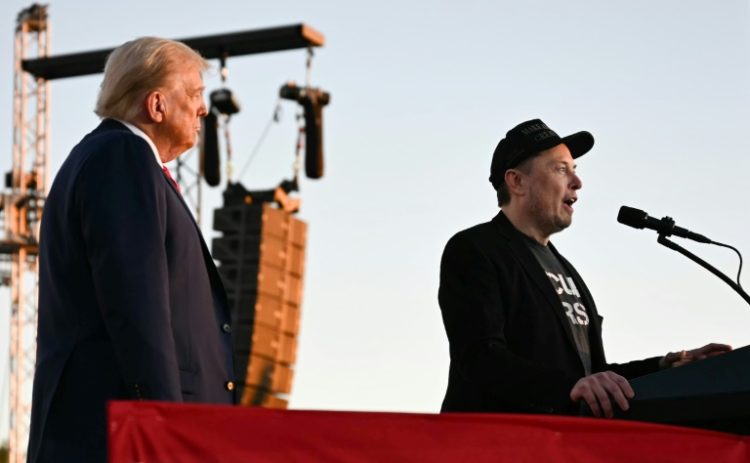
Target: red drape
point(166, 432)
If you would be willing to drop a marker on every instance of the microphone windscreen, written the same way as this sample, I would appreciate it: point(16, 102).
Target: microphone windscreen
point(209, 154)
point(313, 138)
point(632, 217)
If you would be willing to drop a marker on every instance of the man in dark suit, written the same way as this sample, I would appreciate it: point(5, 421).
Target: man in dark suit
point(130, 303)
point(524, 333)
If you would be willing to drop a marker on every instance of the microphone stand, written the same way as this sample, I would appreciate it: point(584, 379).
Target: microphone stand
point(676, 247)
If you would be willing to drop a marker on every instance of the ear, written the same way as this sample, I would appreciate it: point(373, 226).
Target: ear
point(156, 106)
point(515, 182)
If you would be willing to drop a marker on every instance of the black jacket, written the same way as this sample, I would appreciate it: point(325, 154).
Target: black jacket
point(511, 347)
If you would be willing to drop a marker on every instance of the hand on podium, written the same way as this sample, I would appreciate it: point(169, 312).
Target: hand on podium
point(599, 389)
point(676, 359)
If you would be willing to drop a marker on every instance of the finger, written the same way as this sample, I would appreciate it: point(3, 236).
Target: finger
point(709, 350)
point(590, 399)
point(624, 386)
point(714, 347)
point(602, 396)
point(674, 357)
point(615, 390)
point(580, 392)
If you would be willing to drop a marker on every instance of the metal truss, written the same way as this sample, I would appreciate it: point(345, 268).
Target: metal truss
point(21, 211)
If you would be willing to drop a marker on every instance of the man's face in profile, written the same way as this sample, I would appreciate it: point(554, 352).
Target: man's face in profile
point(551, 189)
point(184, 108)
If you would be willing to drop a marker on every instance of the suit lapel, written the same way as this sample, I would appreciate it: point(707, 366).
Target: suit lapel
point(213, 273)
point(536, 274)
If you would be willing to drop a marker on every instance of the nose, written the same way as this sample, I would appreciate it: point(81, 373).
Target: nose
point(202, 111)
point(576, 183)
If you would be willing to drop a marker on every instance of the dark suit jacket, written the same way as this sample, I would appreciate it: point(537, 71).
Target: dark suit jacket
point(511, 346)
point(130, 303)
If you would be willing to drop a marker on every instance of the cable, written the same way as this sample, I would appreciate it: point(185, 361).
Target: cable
point(275, 118)
point(738, 255)
point(308, 66)
point(298, 146)
point(228, 146)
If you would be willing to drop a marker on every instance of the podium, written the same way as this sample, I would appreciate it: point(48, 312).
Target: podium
point(712, 394)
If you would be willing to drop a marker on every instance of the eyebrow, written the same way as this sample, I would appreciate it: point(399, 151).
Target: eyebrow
point(196, 90)
point(558, 162)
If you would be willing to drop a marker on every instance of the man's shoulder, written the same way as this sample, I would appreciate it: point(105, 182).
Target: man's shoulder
point(111, 132)
point(493, 231)
point(110, 144)
point(109, 150)
point(478, 231)
point(487, 239)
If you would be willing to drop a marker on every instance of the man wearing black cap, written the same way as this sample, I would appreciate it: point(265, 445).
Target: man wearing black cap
point(524, 333)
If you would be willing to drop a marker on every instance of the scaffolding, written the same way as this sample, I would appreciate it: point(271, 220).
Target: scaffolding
point(21, 211)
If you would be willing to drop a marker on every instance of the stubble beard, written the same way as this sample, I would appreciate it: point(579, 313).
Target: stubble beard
point(548, 222)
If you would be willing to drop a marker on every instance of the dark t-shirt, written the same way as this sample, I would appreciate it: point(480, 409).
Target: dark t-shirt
point(572, 302)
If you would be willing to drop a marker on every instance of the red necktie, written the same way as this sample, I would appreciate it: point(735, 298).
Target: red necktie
point(169, 176)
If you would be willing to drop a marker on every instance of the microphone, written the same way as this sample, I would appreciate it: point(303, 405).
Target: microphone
point(637, 218)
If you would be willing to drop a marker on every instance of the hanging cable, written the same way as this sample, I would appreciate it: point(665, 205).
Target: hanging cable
point(739, 272)
point(299, 146)
point(228, 147)
point(275, 118)
point(308, 66)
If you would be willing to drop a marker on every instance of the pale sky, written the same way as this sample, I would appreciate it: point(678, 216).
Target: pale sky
point(421, 93)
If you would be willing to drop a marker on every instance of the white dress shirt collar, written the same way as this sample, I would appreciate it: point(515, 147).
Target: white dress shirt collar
point(143, 135)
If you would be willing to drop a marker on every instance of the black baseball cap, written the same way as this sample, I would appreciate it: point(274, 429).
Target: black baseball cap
point(526, 140)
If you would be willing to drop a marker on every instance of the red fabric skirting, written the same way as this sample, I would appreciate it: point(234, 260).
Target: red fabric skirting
point(167, 432)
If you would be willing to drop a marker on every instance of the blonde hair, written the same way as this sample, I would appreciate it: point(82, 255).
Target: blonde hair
point(138, 67)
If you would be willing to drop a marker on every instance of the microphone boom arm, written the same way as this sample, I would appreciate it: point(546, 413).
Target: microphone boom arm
point(676, 247)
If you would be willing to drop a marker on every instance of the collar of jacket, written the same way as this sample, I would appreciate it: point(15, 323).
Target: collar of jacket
point(516, 241)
